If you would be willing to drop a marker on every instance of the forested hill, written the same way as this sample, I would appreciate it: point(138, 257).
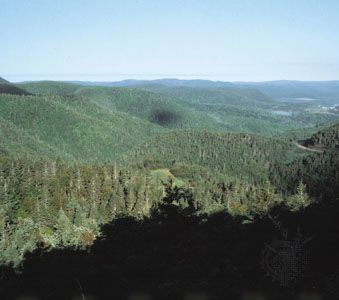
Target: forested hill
point(243, 156)
point(75, 157)
point(69, 128)
point(327, 138)
point(279, 89)
point(300, 90)
point(169, 82)
point(3, 80)
point(7, 88)
point(150, 106)
point(73, 122)
point(50, 87)
point(226, 95)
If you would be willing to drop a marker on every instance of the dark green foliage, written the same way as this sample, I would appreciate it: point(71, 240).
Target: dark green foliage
point(319, 171)
point(73, 158)
point(164, 117)
point(219, 109)
point(3, 80)
point(7, 88)
point(233, 96)
point(50, 87)
point(147, 105)
point(240, 155)
point(171, 254)
point(247, 110)
point(55, 205)
point(327, 138)
point(67, 127)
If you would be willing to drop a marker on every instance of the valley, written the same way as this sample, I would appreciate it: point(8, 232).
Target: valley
point(169, 150)
point(76, 159)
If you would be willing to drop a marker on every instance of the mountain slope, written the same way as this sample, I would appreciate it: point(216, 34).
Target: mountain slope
point(12, 89)
point(17, 142)
point(150, 106)
point(2, 80)
point(225, 109)
point(308, 90)
point(234, 96)
point(327, 138)
point(8, 88)
point(71, 126)
point(240, 155)
point(50, 87)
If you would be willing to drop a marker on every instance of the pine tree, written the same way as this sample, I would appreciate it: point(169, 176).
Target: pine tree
point(300, 199)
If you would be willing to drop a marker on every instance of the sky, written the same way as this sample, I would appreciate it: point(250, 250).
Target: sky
point(109, 40)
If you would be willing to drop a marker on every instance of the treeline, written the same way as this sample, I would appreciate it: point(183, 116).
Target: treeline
point(7, 88)
point(54, 205)
point(244, 156)
point(328, 138)
point(319, 171)
point(67, 127)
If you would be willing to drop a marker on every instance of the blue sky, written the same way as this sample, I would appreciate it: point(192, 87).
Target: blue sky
point(250, 40)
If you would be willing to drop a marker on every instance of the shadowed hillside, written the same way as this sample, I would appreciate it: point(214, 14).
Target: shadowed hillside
point(225, 108)
point(244, 156)
point(164, 191)
point(327, 138)
point(8, 88)
point(3, 80)
point(176, 254)
point(150, 106)
point(71, 127)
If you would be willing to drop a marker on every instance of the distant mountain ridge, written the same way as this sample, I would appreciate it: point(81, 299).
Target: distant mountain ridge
point(299, 90)
point(170, 82)
point(284, 90)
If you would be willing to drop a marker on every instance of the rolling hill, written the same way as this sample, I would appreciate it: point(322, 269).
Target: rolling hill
point(150, 106)
point(327, 138)
point(225, 108)
point(227, 95)
point(244, 156)
point(69, 127)
point(168, 82)
point(297, 90)
point(74, 157)
point(283, 90)
point(8, 88)
point(3, 80)
point(247, 110)
point(49, 87)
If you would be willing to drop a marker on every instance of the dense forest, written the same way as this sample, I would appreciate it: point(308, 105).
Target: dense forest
point(328, 138)
point(82, 165)
point(8, 88)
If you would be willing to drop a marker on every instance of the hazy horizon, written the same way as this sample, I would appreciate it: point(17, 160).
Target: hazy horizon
point(118, 78)
point(216, 40)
